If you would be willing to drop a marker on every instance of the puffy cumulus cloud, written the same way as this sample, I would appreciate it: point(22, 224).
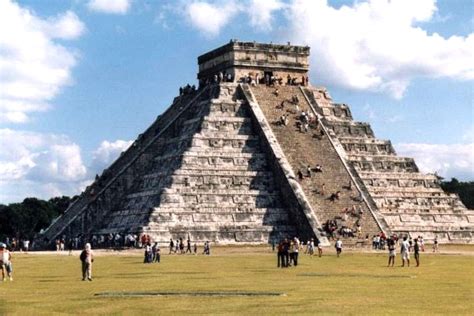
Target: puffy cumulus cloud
point(261, 13)
point(110, 6)
point(107, 152)
point(210, 18)
point(378, 45)
point(33, 66)
point(33, 164)
point(46, 165)
point(456, 160)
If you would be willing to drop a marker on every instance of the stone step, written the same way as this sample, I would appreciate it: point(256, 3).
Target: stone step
point(401, 177)
point(302, 149)
point(160, 219)
point(413, 195)
point(218, 210)
point(377, 191)
point(218, 119)
point(212, 172)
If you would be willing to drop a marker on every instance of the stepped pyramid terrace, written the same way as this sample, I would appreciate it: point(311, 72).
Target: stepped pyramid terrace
point(255, 154)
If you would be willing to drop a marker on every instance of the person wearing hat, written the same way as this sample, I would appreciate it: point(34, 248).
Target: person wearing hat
point(5, 262)
point(87, 257)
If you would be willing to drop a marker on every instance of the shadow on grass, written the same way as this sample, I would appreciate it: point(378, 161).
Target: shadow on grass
point(197, 293)
point(356, 275)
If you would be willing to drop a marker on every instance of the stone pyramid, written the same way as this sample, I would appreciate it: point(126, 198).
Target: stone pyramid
point(220, 165)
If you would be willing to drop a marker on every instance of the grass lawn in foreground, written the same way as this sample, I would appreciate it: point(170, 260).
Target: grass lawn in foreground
point(356, 283)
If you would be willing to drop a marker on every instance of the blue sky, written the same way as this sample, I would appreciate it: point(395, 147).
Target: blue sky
point(80, 79)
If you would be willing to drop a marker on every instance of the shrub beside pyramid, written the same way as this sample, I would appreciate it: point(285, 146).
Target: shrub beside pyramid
point(235, 162)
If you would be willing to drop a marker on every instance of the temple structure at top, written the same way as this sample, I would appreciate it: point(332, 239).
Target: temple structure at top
point(238, 60)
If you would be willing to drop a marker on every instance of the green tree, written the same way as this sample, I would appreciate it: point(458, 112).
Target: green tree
point(27, 218)
point(465, 190)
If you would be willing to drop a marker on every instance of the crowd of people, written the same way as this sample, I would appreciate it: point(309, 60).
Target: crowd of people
point(17, 244)
point(178, 247)
point(407, 247)
point(256, 78)
point(287, 251)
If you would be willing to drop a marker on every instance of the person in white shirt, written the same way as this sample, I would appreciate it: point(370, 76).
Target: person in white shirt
point(5, 262)
point(405, 251)
point(338, 247)
point(87, 257)
point(26, 245)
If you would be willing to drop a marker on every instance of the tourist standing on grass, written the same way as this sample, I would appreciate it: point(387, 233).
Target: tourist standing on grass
point(5, 262)
point(280, 256)
point(207, 248)
point(311, 247)
point(405, 251)
point(171, 246)
point(320, 247)
point(416, 251)
point(435, 245)
point(286, 252)
point(148, 254)
point(290, 252)
point(195, 248)
point(156, 252)
point(338, 247)
point(181, 246)
point(391, 251)
point(422, 243)
point(295, 250)
point(188, 246)
point(87, 257)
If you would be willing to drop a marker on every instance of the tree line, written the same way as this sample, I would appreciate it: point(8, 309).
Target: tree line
point(24, 220)
point(465, 190)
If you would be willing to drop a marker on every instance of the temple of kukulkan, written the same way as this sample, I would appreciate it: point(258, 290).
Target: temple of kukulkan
point(255, 154)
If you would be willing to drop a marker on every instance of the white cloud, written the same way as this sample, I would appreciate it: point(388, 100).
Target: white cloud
point(110, 6)
point(378, 45)
point(46, 165)
point(35, 164)
point(65, 26)
point(34, 67)
point(210, 18)
point(456, 160)
point(106, 153)
point(261, 13)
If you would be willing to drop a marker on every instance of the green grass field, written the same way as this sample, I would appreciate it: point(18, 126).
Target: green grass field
point(357, 283)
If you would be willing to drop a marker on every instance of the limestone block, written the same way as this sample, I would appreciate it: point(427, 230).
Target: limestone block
point(244, 217)
point(190, 199)
point(464, 236)
point(162, 217)
point(410, 218)
point(247, 199)
point(449, 218)
point(393, 220)
point(171, 198)
point(226, 236)
point(248, 236)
